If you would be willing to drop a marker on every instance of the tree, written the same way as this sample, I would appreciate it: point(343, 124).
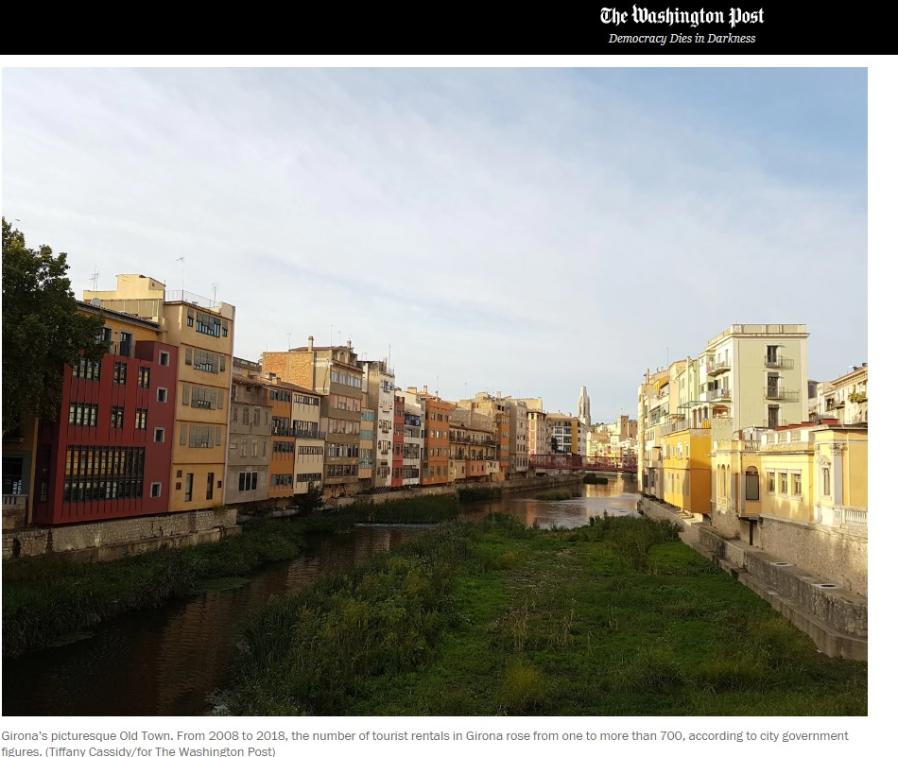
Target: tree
point(42, 329)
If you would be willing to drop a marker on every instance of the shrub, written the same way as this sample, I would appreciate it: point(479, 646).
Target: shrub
point(523, 689)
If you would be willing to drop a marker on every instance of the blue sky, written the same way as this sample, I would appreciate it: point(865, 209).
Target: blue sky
point(515, 230)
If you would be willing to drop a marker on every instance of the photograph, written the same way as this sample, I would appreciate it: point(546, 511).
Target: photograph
point(374, 390)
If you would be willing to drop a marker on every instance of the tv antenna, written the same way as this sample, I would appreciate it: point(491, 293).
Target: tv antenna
point(94, 279)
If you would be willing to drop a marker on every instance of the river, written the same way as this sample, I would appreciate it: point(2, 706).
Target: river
point(168, 661)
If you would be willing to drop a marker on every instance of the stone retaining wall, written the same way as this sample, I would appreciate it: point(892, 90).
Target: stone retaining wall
point(838, 554)
point(109, 540)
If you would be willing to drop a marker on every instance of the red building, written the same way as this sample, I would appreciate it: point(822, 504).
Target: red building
point(109, 453)
point(398, 440)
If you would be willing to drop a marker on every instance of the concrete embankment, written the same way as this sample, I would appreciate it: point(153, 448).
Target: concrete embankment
point(114, 539)
point(834, 618)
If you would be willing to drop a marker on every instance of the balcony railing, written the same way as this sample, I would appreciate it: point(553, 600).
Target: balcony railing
point(15, 501)
point(851, 517)
point(714, 367)
point(779, 362)
point(717, 395)
point(784, 395)
point(302, 433)
point(297, 433)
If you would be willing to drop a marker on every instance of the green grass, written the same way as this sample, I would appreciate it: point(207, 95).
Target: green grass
point(49, 599)
point(615, 618)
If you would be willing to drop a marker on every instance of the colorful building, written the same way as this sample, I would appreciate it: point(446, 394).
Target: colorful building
point(109, 453)
point(249, 436)
point(845, 398)
point(686, 467)
point(202, 331)
point(282, 438)
point(333, 373)
point(435, 461)
point(379, 386)
point(414, 433)
point(398, 440)
point(305, 420)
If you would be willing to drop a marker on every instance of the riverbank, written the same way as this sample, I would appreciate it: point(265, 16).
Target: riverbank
point(615, 618)
point(49, 600)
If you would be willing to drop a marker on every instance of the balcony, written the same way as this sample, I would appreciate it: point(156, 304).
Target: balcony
point(717, 395)
point(713, 367)
point(779, 362)
point(783, 395)
point(302, 433)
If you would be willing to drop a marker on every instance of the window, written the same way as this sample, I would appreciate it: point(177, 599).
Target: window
point(118, 417)
point(188, 490)
point(248, 481)
point(124, 344)
point(86, 369)
point(163, 358)
point(162, 394)
point(203, 436)
point(159, 434)
point(190, 315)
point(752, 487)
point(210, 485)
point(156, 489)
point(120, 372)
point(771, 483)
point(82, 414)
point(826, 486)
point(784, 484)
point(99, 473)
point(206, 324)
point(796, 484)
point(143, 377)
point(140, 418)
point(205, 398)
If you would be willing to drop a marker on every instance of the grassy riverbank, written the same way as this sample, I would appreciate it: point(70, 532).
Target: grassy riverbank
point(616, 618)
point(50, 600)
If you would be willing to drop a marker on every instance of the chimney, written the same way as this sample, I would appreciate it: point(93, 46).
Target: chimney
point(311, 343)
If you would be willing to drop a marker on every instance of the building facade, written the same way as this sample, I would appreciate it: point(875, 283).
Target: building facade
point(335, 375)
point(379, 383)
point(203, 332)
point(249, 437)
point(109, 453)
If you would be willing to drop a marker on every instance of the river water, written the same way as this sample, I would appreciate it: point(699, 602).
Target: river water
point(169, 660)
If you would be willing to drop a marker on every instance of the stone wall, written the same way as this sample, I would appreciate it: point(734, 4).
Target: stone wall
point(837, 554)
point(109, 540)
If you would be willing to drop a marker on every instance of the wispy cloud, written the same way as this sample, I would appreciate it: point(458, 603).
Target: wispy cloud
point(522, 230)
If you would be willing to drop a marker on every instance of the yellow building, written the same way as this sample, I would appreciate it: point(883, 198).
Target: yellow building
point(202, 331)
point(686, 468)
point(809, 474)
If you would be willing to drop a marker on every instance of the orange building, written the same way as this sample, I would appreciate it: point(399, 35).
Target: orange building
point(283, 443)
point(435, 467)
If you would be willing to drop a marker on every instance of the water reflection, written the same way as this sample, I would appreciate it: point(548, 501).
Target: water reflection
point(167, 661)
point(617, 497)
